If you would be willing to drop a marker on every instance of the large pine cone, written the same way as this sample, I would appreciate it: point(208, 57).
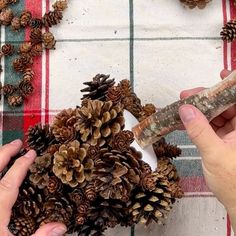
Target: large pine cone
point(195, 3)
point(63, 125)
point(98, 87)
point(40, 138)
point(148, 206)
point(70, 163)
point(97, 121)
point(228, 32)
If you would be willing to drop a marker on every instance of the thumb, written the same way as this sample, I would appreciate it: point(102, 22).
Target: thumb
point(198, 129)
point(51, 229)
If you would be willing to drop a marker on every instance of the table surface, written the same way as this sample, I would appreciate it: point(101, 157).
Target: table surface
point(162, 48)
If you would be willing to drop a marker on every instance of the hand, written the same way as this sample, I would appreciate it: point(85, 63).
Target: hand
point(217, 145)
point(9, 188)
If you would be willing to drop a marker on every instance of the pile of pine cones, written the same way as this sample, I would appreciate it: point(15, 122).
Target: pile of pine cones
point(27, 51)
point(87, 174)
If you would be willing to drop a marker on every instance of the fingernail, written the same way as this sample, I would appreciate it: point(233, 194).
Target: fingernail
point(187, 114)
point(17, 141)
point(30, 154)
point(58, 231)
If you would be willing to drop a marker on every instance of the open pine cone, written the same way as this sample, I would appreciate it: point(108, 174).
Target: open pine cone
point(228, 32)
point(195, 3)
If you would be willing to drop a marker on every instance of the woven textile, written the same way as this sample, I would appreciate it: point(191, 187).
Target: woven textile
point(163, 48)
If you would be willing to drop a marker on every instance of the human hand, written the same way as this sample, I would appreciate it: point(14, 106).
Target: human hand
point(217, 145)
point(9, 188)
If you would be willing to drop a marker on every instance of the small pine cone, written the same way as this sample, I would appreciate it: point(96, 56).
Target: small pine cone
point(8, 89)
point(80, 219)
point(40, 170)
point(114, 94)
point(53, 148)
point(133, 105)
point(15, 23)
point(93, 152)
point(36, 36)
point(40, 138)
point(77, 196)
point(28, 74)
point(60, 5)
point(15, 100)
point(23, 62)
point(90, 191)
point(36, 23)
point(7, 49)
point(37, 50)
point(6, 16)
point(22, 226)
point(25, 47)
point(3, 4)
point(121, 141)
point(147, 110)
point(228, 32)
point(49, 40)
point(52, 18)
point(125, 87)
point(83, 207)
point(25, 18)
point(25, 88)
point(195, 3)
point(54, 185)
point(63, 126)
point(98, 87)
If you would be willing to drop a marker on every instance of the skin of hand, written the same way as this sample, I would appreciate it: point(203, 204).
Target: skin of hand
point(9, 189)
point(217, 145)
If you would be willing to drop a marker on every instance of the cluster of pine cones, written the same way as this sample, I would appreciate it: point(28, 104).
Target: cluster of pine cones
point(27, 51)
point(87, 174)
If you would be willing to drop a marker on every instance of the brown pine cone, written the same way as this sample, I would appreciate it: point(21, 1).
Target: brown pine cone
point(36, 36)
point(28, 74)
point(114, 94)
point(228, 32)
point(25, 88)
point(53, 148)
point(6, 16)
point(93, 152)
point(98, 87)
point(36, 23)
point(3, 4)
point(40, 170)
point(8, 89)
point(133, 105)
point(122, 141)
point(23, 62)
point(49, 40)
point(147, 110)
point(60, 5)
point(25, 47)
point(25, 18)
point(54, 185)
point(195, 3)
point(98, 121)
point(125, 87)
point(63, 125)
point(15, 100)
point(15, 23)
point(36, 50)
point(90, 191)
point(52, 18)
point(76, 196)
point(7, 49)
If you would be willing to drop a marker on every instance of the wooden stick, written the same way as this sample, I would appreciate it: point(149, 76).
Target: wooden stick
point(211, 102)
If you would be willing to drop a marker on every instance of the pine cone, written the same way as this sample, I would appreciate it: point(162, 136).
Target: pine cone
point(25, 88)
point(28, 74)
point(37, 50)
point(133, 105)
point(98, 87)
point(60, 5)
point(147, 110)
point(35, 23)
point(54, 185)
point(125, 87)
point(40, 138)
point(121, 141)
point(7, 49)
point(23, 62)
point(15, 100)
point(77, 196)
point(8, 89)
point(40, 170)
point(6, 16)
point(36, 36)
point(53, 148)
point(25, 18)
point(228, 32)
point(163, 149)
point(3, 4)
point(117, 173)
point(22, 226)
point(15, 23)
point(90, 191)
point(114, 94)
point(69, 163)
point(63, 125)
point(98, 121)
point(195, 3)
point(52, 18)
point(151, 205)
point(25, 47)
point(49, 40)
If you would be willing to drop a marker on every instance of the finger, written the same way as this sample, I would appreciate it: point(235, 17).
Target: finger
point(51, 229)
point(219, 121)
point(224, 73)
point(199, 130)
point(229, 113)
point(189, 92)
point(7, 151)
point(10, 183)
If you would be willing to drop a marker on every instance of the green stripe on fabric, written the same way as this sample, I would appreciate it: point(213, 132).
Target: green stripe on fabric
point(12, 78)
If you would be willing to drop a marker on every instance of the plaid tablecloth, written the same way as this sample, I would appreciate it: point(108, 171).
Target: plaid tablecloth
point(162, 48)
